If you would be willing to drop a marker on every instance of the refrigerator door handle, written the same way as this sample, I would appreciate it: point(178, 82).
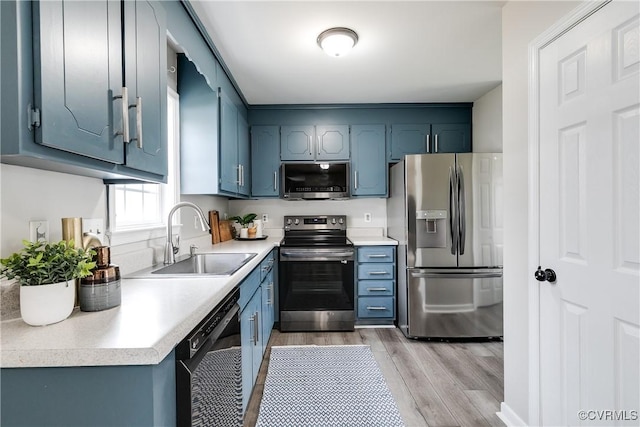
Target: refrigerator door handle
point(453, 211)
point(462, 212)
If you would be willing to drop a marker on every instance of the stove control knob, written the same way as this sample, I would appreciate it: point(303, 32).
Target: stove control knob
point(333, 221)
point(288, 221)
point(297, 221)
point(341, 221)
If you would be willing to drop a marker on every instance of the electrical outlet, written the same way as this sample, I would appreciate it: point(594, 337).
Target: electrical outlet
point(367, 217)
point(39, 231)
point(93, 225)
point(265, 218)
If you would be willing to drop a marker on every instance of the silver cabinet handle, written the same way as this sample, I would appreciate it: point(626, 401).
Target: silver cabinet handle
point(435, 144)
point(241, 175)
point(256, 332)
point(275, 180)
point(355, 180)
point(138, 107)
point(376, 308)
point(238, 174)
point(377, 289)
point(377, 256)
point(271, 294)
point(428, 148)
point(253, 335)
point(124, 97)
point(378, 273)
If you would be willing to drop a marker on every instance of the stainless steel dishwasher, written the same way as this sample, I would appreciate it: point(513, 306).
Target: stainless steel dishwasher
point(209, 370)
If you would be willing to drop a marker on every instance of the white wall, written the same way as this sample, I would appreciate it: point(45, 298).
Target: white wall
point(487, 122)
point(354, 209)
point(522, 21)
point(32, 194)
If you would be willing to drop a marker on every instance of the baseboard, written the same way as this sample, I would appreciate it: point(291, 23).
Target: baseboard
point(509, 417)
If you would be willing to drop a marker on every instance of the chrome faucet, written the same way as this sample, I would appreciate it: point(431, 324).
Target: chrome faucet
point(170, 250)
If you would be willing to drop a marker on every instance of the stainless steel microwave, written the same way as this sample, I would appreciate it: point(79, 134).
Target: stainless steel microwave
point(314, 181)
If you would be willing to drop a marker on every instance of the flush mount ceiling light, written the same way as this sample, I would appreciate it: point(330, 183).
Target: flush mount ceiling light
point(337, 41)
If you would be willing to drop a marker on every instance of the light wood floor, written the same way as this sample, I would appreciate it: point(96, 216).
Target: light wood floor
point(433, 383)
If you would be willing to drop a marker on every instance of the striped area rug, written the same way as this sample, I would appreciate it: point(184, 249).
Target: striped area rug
point(323, 386)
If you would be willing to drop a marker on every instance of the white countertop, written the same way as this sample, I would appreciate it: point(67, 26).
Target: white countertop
point(155, 315)
point(373, 241)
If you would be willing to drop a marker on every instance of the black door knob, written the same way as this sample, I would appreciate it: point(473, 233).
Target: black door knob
point(545, 275)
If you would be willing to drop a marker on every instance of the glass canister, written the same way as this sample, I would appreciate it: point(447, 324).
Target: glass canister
point(101, 290)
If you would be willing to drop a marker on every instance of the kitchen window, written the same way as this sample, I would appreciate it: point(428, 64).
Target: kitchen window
point(138, 211)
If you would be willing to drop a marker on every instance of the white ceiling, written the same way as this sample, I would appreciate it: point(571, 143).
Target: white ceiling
point(414, 51)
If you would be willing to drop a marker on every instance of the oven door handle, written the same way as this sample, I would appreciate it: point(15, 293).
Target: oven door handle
point(321, 255)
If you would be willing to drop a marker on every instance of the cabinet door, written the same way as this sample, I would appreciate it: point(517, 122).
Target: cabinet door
point(332, 142)
point(145, 38)
point(296, 142)
point(265, 165)
point(251, 344)
point(368, 160)
point(409, 139)
point(451, 138)
point(268, 296)
point(229, 167)
point(77, 74)
point(244, 187)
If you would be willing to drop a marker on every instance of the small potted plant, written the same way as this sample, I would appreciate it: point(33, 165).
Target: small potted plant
point(46, 273)
point(244, 222)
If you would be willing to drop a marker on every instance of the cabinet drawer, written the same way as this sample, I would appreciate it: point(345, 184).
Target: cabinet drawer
point(266, 265)
point(378, 307)
point(248, 287)
point(376, 254)
point(376, 287)
point(376, 271)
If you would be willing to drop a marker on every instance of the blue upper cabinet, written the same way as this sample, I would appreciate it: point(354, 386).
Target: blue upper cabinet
point(308, 142)
point(145, 37)
point(229, 166)
point(66, 66)
point(78, 75)
point(234, 148)
point(368, 160)
point(297, 142)
point(451, 138)
point(265, 167)
point(429, 138)
point(332, 142)
point(244, 157)
point(409, 139)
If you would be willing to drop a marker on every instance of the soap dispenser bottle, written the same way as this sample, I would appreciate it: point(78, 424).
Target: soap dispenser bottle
point(101, 290)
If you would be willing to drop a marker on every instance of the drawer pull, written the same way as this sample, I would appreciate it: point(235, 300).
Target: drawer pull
point(377, 289)
point(376, 308)
point(379, 273)
point(378, 256)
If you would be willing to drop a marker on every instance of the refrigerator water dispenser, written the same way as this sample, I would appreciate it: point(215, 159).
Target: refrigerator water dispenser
point(431, 229)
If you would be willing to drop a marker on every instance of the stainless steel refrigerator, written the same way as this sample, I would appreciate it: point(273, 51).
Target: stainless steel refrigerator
point(445, 211)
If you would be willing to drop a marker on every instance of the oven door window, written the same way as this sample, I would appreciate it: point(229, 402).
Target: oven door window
point(316, 285)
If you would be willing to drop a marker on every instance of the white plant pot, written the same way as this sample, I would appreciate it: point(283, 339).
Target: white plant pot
point(244, 233)
point(46, 304)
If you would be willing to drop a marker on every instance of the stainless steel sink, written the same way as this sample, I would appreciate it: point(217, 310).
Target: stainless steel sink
point(206, 264)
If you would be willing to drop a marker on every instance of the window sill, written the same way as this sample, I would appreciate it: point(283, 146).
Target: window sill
point(143, 234)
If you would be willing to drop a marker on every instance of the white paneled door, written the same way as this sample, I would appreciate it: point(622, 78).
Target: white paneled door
point(589, 226)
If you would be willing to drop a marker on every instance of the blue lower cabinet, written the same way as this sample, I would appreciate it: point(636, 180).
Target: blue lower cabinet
point(90, 395)
point(376, 285)
point(257, 294)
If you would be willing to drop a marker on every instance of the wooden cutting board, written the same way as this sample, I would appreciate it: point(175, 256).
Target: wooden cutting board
point(215, 226)
point(225, 231)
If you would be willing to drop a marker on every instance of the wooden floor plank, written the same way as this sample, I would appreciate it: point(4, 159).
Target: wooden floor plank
point(487, 405)
point(433, 383)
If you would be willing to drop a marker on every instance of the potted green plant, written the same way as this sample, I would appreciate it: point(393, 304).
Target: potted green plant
point(244, 222)
point(46, 273)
